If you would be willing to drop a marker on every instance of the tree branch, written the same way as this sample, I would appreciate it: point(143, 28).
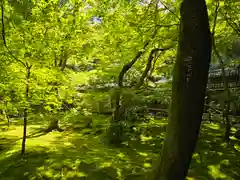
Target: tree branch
point(214, 44)
point(128, 66)
point(225, 80)
point(4, 37)
point(233, 25)
point(149, 65)
point(165, 6)
point(230, 22)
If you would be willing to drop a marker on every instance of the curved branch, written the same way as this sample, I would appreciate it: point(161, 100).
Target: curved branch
point(230, 22)
point(128, 66)
point(4, 37)
point(149, 65)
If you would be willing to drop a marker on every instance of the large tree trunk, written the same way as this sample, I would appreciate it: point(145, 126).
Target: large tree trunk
point(188, 91)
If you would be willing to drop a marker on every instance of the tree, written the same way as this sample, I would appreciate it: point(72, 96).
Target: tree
point(226, 105)
point(188, 91)
point(27, 67)
point(146, 42)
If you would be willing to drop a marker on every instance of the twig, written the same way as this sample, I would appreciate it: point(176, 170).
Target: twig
point(233, 25)
point(165, 6)
point(215, 19)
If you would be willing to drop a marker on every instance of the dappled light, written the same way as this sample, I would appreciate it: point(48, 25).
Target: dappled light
point(119, 90)
point(73, 154)
point(213, 157)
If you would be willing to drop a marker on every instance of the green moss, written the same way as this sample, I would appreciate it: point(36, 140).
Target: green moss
point(73, 154)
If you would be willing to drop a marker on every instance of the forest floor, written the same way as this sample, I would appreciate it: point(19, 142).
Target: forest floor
point(78, 153)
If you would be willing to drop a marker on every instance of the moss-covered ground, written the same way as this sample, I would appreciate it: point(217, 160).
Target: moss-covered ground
point(78, 153)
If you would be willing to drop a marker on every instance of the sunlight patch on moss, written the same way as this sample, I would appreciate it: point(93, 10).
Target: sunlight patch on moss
point(145, 138)
point(225, 162)
point(197, 157)
point(216, 172)
point(213, 126)
point(81, 174)
point(16, 131)
point(147, 165)
point(143, 154)
point(121, 155)
point(237, 146)
point(106, 164)
point(190, 178)
point(44, 140)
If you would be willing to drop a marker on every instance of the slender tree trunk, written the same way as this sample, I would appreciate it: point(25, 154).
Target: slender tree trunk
point(61, 58)
point(228, 123)
point(188, 91)
point(207, 108)
point(6, 117)
point(64, 62)
point(226, 105)
point(55, 60)
point(25, 112)
point(210, 116)
point(5, 112)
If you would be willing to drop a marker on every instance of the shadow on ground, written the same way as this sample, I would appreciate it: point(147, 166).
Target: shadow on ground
point(13, 166)
point(214, 159)
point(7, 142)
point(82, 153)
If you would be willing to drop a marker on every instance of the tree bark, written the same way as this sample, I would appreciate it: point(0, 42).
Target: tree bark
point(188, 91)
